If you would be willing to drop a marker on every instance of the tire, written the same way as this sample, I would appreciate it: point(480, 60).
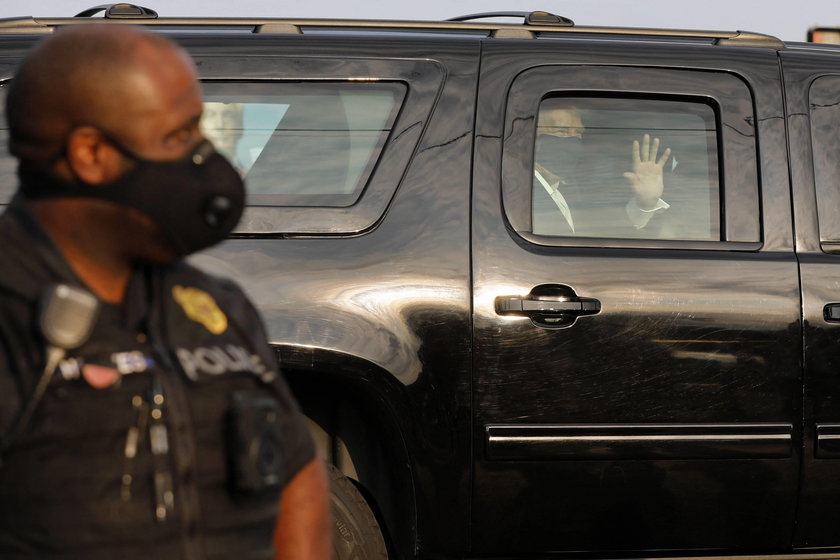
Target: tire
point(356, 532)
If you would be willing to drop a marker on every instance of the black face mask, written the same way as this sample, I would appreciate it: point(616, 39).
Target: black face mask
point(196, 201)
point(558, 154)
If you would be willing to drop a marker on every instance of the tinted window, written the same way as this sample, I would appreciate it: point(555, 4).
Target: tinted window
point(613, 167)
point(825, 139)
point(8, 165)
point(296, 144)
point(302, 144)
point(710, 195)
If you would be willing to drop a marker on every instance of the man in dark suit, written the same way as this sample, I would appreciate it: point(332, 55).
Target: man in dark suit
point(559, 207)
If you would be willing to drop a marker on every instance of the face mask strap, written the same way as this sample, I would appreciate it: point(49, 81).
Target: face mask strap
point(197, 155)
point(63, 153)
point(119, 146)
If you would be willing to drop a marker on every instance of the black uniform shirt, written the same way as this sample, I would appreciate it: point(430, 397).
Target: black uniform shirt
point(183, 457)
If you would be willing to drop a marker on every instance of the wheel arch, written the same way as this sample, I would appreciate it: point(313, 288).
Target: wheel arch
point(363, 412)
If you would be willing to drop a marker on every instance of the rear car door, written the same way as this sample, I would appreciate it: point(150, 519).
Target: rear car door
point(812, 88)
point(635, 388)
point(355, 249)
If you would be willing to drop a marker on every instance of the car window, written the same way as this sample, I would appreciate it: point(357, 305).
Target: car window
point(824, 99)
point(709, 192)
point(612, 167)
point(321, 142)
point(296, 144)
point(8, 165)
point(301, 144)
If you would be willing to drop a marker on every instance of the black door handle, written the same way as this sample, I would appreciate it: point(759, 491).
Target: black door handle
point(831, 313)
point(529, 306)
point(549, 305)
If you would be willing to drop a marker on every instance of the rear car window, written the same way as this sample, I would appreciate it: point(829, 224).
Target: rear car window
point(302, 144)
point(8, 165)
point(307, 150)
point(824, 99)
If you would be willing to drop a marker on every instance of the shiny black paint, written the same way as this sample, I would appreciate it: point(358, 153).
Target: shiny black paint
point(690, 337)
point(820, 496)
point(390, 334)
point(396, 300)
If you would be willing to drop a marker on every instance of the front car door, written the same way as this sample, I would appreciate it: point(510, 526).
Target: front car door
point(635, 388)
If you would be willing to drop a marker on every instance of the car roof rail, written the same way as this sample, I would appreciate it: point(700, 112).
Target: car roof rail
point(529, 18)
point(536, 24)
point(122, 10)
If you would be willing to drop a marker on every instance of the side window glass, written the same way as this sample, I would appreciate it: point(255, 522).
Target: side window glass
point(301, 144)
point(609, 167)
point(296, 144)
point(320, 143)
point(702, 194)
point(825, 139)
point(8, 164)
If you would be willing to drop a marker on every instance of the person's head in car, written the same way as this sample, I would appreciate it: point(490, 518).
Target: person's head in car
point(559, 141)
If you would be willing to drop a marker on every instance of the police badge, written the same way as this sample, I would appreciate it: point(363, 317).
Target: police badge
point(200, 307)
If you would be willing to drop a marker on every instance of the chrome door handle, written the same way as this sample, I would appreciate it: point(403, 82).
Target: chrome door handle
point(530, 305)
point(549, 306)
point(831, 313)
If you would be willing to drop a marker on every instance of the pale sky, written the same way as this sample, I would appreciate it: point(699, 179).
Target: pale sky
point(786, 20)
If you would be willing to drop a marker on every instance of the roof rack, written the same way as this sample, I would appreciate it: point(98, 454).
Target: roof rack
point(120, 11)
point(536, 23)
point(529, 18)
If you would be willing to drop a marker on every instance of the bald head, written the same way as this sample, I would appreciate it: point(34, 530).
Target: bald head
point(100, 75)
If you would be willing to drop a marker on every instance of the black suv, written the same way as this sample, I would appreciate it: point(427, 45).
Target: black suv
point(496, 376)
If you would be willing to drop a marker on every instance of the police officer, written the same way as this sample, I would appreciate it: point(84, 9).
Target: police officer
point(141, 411)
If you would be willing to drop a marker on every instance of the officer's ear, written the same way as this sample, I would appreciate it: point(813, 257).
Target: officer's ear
point(91, 158)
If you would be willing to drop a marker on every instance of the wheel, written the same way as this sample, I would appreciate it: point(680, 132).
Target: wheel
point(356, 533)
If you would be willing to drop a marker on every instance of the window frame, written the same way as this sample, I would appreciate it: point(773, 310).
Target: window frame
point(727, 94)
point(422, 79)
